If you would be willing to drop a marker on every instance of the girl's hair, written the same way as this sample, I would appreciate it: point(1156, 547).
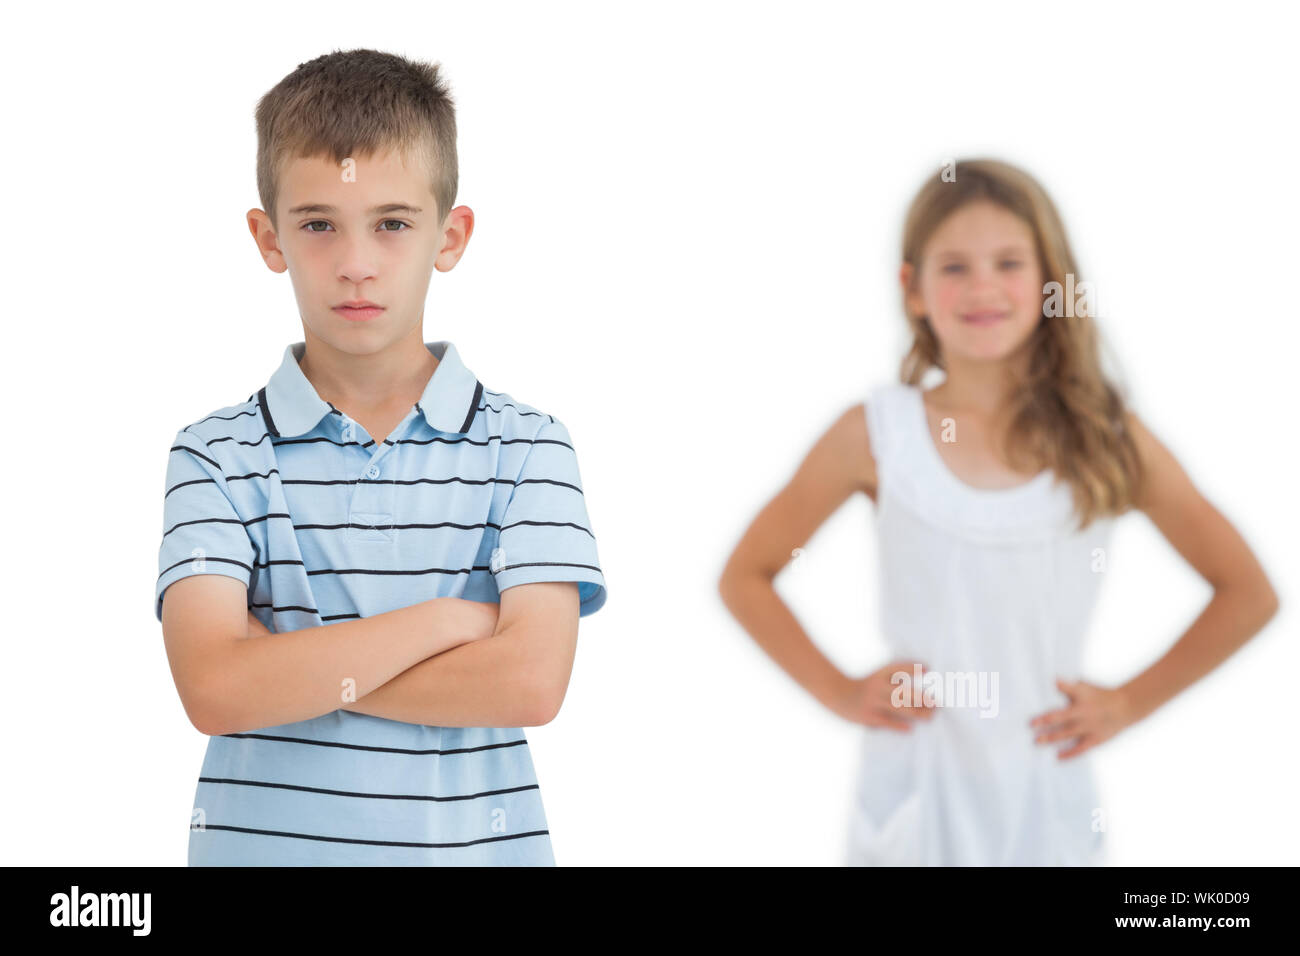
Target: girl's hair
point(356, 103)
point(1066, 415)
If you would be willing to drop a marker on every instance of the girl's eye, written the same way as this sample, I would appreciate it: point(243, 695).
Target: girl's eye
point(953, 267)
point(1012, 263)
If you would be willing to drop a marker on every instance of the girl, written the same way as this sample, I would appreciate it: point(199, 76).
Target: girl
point(994, 494)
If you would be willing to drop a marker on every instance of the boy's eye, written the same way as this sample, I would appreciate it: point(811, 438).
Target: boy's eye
point(307, 226)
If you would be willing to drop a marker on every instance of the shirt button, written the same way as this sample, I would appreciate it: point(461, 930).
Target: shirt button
point(372, 471)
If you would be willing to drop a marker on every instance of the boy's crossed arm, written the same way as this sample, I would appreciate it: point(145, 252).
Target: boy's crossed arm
point(233, 677)
point(515, 678)
point(443, 662)
point(513, 673)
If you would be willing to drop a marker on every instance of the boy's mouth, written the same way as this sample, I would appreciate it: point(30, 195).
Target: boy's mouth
point(358, 310)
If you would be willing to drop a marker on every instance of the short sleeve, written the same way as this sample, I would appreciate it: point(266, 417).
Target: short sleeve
point(546, 534)
point(202, 533)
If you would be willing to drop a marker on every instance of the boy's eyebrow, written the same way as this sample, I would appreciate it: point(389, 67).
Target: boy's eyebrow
point(328, 210)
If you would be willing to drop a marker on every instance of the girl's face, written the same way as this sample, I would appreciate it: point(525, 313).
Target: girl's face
point(980, 283)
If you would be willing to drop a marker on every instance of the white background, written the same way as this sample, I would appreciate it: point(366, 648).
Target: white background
point(688, 218)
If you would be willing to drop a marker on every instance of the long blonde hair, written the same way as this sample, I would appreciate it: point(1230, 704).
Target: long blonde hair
point(1066, 415)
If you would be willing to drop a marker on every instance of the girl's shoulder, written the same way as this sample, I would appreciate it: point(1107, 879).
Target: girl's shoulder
point(848, 449)
point(874, 427)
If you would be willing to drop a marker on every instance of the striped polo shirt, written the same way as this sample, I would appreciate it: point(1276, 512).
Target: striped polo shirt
point(472, 493)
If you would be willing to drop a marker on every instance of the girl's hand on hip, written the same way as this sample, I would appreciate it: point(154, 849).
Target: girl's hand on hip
point(887, 698)
point(1093, 716)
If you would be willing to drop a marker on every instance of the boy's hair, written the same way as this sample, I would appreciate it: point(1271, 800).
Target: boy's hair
point(1067, 416)
point(357, 103)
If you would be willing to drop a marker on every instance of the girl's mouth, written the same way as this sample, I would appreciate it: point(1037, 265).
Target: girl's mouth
point(983, 318)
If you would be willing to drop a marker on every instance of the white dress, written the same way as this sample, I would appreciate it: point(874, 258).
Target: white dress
point(994, 588)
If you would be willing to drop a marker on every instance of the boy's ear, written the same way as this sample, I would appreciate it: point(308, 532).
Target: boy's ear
point(268, 244)
point(455, 237)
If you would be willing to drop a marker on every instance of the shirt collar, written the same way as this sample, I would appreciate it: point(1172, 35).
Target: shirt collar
point(292, 407)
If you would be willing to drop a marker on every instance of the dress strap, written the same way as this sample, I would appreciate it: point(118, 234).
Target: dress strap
point(883, 421)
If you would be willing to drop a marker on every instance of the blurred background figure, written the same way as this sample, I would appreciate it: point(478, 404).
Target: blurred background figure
point(995, 494)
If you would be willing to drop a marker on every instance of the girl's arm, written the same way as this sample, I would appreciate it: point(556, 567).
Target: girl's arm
point(839, 464)
point(1244, 600)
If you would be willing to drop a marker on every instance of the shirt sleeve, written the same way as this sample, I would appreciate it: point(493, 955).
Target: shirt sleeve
point(545, 532)
point(202, 533)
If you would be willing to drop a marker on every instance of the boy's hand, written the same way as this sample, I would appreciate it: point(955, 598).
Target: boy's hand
point(869, 700)
point(1093, 716)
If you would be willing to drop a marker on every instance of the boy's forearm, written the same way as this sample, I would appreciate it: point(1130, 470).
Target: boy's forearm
point(494, 682)
point(272, 679)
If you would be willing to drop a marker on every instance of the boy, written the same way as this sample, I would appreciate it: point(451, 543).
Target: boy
point(373, 567)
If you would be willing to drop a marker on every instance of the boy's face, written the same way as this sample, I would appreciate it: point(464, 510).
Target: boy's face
point(365, 230)
point(980, 283)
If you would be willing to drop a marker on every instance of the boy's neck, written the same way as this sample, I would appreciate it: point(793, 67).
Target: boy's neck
point(395, 376)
